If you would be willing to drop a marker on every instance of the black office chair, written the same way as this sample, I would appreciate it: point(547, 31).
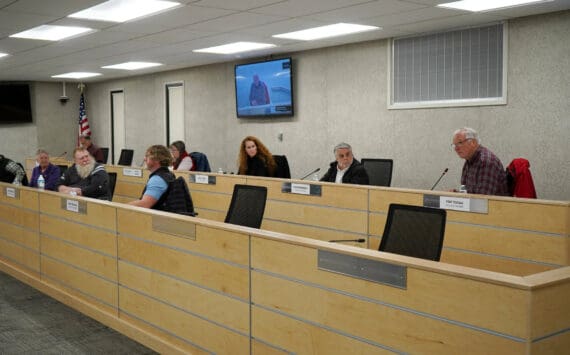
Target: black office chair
point(379, 171)
point(126, 157)
point(414, 231)
point(247, 206)
point(282, 170)
point(62, 168)
point(112, 184)
point(105, 154)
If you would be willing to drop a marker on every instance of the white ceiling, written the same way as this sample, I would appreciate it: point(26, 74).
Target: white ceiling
point(170, 37)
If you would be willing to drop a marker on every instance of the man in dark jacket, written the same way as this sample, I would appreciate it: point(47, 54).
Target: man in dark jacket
point(346, 169)
point(85, 178)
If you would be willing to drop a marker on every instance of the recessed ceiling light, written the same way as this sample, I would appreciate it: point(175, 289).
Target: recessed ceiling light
point(236, 47)
point(76, 75)
point(124, 10)
point(338, 29)
point(486, 5)
point(132, 65)
point(52, 33)
point(3, 54)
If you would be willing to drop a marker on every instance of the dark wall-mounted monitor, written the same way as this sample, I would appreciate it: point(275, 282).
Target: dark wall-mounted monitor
point(264, 89)
point(15, 103)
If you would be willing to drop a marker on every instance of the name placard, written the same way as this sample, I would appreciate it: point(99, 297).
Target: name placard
point(132, 172)
point(75, 206)
point(12, 192)
point(457, 203)
point(301, 189)
point(203, 179)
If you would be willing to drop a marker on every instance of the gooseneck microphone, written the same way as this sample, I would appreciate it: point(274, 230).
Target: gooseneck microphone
point(311, 173)
point(438, 180)
point(362, 240)
point(64, 154)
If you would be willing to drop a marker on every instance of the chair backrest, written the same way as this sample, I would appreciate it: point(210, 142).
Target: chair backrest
point(112, 183)
point(201, 161)
point(414, 231)
point(379, 171)
point(247, 206)
point(62, 168)
point(282, 170)
point(519, 179)
point(126, 157)
point(105, 151)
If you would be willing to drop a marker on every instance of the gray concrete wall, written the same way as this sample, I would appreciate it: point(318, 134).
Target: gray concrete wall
point(341, 95)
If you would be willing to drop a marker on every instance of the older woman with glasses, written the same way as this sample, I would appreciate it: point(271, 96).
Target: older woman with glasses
point(483, 172)
point(47, 170)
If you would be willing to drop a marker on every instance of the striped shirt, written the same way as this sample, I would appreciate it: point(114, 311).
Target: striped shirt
point(484, 174)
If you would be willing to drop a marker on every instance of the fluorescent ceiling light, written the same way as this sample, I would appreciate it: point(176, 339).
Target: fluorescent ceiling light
point(3, 54)
point(76, 75)
point(236, 47)
point(124, 10)
point(132, 65)
point(52, 33)
point(338, 29)
point(485, 5)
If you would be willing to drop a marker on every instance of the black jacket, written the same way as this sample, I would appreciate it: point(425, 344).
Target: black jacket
point(95, 185)
point(356, 174)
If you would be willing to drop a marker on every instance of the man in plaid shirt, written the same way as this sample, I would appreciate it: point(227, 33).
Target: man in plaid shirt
point(483, 172)
point(10, 171)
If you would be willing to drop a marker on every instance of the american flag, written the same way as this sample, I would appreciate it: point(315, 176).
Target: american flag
point(83, 123)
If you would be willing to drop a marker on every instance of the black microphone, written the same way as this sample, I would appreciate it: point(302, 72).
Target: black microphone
point(61, 155)
point(362, 240)
point(311, 173)
point(438, 180)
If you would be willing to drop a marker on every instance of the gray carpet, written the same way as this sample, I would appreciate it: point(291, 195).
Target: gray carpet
point(33, 323)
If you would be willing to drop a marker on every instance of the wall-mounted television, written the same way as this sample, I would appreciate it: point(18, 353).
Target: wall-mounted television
point(15, 103)
point(264, 89)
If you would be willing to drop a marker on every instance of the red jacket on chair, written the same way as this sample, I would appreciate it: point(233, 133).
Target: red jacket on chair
point(522, 184)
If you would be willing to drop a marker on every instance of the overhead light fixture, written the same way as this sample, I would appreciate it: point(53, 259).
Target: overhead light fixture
point(236, 47)
point(3, 54)
point(52, 33)
point(76, 75)
point(124, 10)
point(486, 5)
point(338, 29)
point(132, 65)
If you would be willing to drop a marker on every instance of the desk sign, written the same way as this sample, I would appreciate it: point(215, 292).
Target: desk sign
point(75, 206)
point(301, 189)
point(202, 179)
point(12, 192)
point(457, 203)
point(132, 172)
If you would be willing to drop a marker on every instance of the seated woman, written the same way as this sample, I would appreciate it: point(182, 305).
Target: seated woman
point(182, 160)
point(255, 159)
point(50, 172)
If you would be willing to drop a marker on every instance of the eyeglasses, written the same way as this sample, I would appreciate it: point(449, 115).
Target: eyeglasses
point(460, 143)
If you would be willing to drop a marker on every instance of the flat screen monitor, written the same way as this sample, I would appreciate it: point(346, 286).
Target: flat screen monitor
point(15, 104)
point(264, 89)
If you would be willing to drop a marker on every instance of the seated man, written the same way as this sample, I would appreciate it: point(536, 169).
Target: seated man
point(483, 172)
point(12, 172)
point(346, 169)
point(93, 149)
point(157, 160)
point(85, 178)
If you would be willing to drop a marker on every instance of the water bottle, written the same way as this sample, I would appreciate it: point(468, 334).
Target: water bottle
point(41, 182)
point(220, 171)
point(315, 177)
point(463, 189)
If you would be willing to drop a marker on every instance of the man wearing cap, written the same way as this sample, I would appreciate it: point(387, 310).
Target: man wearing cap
point(93, 149)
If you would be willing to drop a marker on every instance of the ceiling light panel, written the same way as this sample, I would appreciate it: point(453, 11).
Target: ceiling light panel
point(338, 29)
point(124, 10)
point(487, 5)
point(132, 65)
point(53, 33)
point(76, 75)
point(236, 47)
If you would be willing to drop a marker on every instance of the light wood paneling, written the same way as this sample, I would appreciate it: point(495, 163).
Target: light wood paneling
point(27, 238)
point(258, 348)
point(199, 301)
point(19, 256)
point(206, 335)
point(99, 213)
point(311, 232)
point(17, 215)
point(211, 201)
point(101, 293)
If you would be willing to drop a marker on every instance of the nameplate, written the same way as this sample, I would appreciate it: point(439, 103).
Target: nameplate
point(75, 206)
point(456, 203)
point(12, 192)
point(174, 227)
point(203, 179)
point(132, 172)
point(362, 268)
point(301, 189)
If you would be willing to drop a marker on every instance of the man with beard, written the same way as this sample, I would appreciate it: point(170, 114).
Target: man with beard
point(85, 178)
